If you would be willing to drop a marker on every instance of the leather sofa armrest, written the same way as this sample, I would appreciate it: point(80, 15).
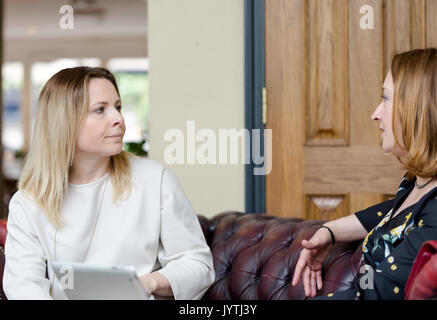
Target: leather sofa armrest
point(422, 281)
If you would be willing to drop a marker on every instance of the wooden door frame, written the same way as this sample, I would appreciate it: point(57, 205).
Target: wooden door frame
point(254, 74)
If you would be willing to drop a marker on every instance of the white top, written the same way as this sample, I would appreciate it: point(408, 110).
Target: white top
point(154, 229)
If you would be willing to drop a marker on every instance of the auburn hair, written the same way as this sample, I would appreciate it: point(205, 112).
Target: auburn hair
point(62, 107)
point(415, 105)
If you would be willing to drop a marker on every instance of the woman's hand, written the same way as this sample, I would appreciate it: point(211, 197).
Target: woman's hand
point(149, 283)
point(156, 284)
point(311, 258)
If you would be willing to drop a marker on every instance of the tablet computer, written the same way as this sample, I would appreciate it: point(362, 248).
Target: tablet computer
point(82, 281)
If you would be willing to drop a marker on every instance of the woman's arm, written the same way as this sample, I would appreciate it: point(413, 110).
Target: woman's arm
point(345, 229)
point(184, 255)
point(350, 228)
point(25, 267)
point(356, 226)
point(315, 250)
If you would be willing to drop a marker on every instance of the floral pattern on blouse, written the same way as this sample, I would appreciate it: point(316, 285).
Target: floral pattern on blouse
point(392, 243)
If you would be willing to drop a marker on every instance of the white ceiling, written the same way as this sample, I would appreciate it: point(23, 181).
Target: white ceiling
point(39, 19)
point(32, 31)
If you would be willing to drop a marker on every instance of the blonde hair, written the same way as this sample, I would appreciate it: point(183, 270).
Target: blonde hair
point(415, 104)
point(62, 106)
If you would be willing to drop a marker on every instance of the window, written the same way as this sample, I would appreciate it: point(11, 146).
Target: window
point(12, 134)
point(43, 71)
point(133, 83)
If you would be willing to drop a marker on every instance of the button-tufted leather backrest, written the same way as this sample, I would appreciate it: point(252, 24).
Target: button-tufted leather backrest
point(255, 256)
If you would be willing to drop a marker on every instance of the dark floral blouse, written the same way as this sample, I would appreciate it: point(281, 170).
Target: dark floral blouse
point(392, 244)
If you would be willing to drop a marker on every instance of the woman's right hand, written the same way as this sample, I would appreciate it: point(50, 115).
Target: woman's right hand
point(311, 258)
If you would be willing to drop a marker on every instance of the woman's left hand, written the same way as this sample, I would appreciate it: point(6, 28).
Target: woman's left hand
point(149, 283)
point(156, 284)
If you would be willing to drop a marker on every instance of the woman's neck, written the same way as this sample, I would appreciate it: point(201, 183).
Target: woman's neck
point(422, 181)
point(419, 192)
point(85, 170)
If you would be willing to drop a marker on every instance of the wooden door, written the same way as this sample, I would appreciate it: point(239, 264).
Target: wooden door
point(324, 75)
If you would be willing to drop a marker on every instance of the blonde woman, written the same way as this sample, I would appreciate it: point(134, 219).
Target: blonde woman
point(393, 231)
point(82, 199)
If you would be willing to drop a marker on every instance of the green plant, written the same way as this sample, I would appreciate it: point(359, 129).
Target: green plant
point(136, 148)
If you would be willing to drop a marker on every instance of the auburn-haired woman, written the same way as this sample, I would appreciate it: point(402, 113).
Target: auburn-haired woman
point(393, 231)
point(82, 199)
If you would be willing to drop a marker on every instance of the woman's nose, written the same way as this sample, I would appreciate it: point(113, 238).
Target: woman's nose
point(375, 115)
point(117, 118)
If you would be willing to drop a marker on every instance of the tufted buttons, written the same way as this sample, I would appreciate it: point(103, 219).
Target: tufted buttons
point(228, 268)
point(229, 234)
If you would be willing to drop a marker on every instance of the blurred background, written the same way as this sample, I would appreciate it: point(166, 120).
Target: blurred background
point(174, 61)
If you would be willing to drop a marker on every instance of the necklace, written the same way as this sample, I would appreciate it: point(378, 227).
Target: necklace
point(418, 186)
point(94, 229)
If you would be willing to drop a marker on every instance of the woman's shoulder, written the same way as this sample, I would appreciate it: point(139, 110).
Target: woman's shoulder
point(428, 210)
point(146, 165)
point(148, 170)
point(152, 171)
point(431, 202)
point(22, 203)
point(23, 199)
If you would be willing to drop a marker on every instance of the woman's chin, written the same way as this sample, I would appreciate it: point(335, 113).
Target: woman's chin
point(115, 151)
point(388, 150)
point(396, 153)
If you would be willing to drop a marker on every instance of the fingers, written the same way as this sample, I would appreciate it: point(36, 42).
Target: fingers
point(306, 281)
point(313, 284)
point(303, 263)
point(319, 280)
point(296, 277)
point(307, 244)
point(309, 269)
point(300, 265)
point(297, 273)
point(309, 282)
point(145, 281)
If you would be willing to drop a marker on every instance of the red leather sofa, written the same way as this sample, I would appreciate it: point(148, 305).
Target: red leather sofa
point(255, 255)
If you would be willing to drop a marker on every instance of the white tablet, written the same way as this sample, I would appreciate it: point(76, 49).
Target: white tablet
point(82, 281)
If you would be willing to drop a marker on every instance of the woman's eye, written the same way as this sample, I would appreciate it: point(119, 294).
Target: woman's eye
point(384, 98)
point(100, 109)
point(119, 108)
